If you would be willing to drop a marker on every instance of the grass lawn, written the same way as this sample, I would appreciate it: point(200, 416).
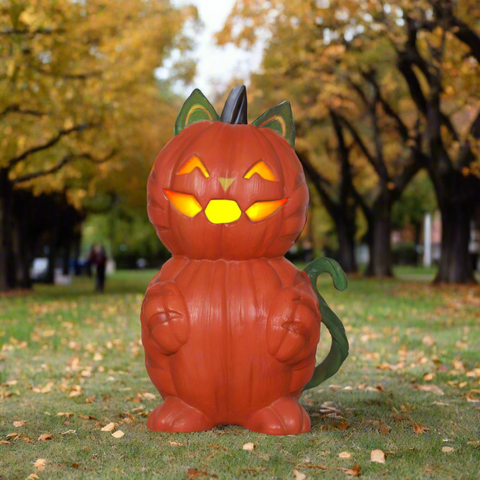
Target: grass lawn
point(71, 362)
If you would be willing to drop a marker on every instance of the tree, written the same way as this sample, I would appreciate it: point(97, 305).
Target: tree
point(76, 85)
point(314, 58)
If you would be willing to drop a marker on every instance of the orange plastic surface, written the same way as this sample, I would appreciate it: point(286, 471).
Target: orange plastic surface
point(229, 326)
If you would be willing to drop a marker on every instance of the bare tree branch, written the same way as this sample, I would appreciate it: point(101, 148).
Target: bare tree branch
point(24, 111)
point(49, 143)
point(65, 161)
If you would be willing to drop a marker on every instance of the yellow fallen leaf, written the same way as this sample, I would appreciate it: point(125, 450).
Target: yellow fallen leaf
point(344, 455)
point(419, 429)
point(176, 444)
point(377, 456)
point(32, 476)
point(19, 423)
point(431, 388)
point(118, 434)
point(354, 471)
point(298, 475)
point(149, 396)
point(249, 446)
point(428, 341)
point(109, 427)
point(40, 464)
point(13, 435)
point(45, 436)
point(447, 449)
point(68, 432)
point(65, 414)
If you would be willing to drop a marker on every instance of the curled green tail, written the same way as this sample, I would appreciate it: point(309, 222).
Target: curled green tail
point(339, 349)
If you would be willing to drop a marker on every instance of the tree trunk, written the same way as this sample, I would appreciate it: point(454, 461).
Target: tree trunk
point(380, 240)
point(455, 263)
point(8, 278)
point(52, 256)
point(346, 241)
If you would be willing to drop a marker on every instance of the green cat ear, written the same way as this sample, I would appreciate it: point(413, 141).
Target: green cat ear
point(195, 109)
point(280, 120)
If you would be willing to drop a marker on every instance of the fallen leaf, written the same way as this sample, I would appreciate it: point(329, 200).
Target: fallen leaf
point(88, 417)
point(354, 471)
point(149, 396)
point(447, 449)
point(344, 455)
point(5, 442)
point(19, 423)
point(428, 341)
point(109, 427)
point(32, 476)
point(469, 397)
point(193, 473)
point(45, 436)
point(90, 399)
point(75, 465)
point(428, 377)
point(68, 432)
point(13, 435)
point(249, 446)
point(65, 414)
point(298, 475)
point(431, 388)
point(377, 456)
point(312, 465)
point(176, 444)
point(118, 434)
point(40, 464)
point(419, 429)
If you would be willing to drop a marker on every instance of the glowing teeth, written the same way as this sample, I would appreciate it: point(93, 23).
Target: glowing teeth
point(223, 211)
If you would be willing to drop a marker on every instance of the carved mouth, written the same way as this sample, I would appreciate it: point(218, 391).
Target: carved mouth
point(223, 211)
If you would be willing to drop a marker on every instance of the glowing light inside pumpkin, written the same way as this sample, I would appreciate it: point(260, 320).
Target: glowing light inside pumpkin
point(260, 210)
point(184, 203)
point(193, 163)
point(222, 211)
point(262, 169)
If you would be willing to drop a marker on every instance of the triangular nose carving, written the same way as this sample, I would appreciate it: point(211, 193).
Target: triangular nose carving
point(225, 182)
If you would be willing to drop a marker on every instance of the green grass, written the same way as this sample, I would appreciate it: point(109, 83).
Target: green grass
point(83, 352)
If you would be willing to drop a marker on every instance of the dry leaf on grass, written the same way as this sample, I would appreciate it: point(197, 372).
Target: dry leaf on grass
point(469, 397)
point(109, 427)
point(176, 444)
point(344, 455)
point(194, 473)
point(40, 464)
point(431, 388)
point(32, 476)
point(90, 399)
point(5, 442)
point(447, 449)
point(149, 396)
point(65, 414)
point(298, 475)
point(118, 434)
point(68, 432)
point(354, 471)
point(45, 436)
point(19, 423)
point(249, 446)
point(377, 456)
point(13, 435)
point(419, 429)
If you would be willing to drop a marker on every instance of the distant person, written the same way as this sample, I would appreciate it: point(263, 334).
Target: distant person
point(98, 257)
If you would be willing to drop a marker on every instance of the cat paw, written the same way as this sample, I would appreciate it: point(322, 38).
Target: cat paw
point(174, 415)
point(283, 417)
point(165, 317)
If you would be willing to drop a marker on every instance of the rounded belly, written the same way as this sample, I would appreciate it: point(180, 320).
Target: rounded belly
point(224, 369)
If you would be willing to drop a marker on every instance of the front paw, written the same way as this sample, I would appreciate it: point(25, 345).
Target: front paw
point(165, 317)
point(293, 326)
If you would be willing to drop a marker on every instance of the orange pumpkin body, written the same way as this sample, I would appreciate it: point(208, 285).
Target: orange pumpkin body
point(229, 326)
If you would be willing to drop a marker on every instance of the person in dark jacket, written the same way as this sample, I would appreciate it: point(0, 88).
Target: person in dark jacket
point(98, 257)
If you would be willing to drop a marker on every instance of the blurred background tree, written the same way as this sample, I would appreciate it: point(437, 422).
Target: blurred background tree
point(399, 83)
point(80, 109)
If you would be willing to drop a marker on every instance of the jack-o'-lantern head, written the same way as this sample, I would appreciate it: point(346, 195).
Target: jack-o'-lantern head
point(224, 189)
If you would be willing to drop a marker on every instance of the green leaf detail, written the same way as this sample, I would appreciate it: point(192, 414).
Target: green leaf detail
point(339, 349)
point(280, 120)
point(195, 109)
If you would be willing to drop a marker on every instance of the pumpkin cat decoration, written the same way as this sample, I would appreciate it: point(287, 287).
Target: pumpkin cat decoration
point(229, 326)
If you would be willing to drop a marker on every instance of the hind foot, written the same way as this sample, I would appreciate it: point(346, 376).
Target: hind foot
point(283, 417)
point(174, 415)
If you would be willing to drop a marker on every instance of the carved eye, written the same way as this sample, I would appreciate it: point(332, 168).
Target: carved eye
point(194, 162)
point(184, 203)
point(262, 170)
point(260, 210)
